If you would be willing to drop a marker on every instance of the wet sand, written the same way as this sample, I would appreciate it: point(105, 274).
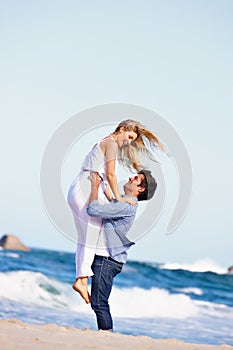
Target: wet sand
point(18, 335)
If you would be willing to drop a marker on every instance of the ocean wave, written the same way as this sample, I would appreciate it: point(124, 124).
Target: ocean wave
point(9, 255)
point(36, 289)
point(202, 265)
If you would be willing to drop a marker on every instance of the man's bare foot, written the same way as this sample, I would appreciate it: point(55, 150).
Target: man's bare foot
point(80, 286)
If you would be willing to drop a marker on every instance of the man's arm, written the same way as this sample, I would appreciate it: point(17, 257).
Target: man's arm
point(112, 210)
point(108, 210)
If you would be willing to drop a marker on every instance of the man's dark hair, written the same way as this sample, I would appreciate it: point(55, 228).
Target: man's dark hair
point(149, 184)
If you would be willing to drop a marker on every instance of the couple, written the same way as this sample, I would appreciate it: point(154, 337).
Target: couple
point(102, 227)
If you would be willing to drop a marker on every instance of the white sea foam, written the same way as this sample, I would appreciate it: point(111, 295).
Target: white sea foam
point(202, 265)
point(189, 290)
point(155, 302)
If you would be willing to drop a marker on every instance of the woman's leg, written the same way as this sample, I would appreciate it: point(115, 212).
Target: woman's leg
point(81, 286)
point(88, 229)
point(83, 259)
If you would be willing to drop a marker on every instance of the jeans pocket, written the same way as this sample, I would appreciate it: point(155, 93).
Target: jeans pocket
point(112, 270)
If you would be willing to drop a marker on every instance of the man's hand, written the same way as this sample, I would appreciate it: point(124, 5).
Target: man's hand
point(95, 183)
point(95, 179)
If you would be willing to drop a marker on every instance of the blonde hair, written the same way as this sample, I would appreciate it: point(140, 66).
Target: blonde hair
point(128, 156)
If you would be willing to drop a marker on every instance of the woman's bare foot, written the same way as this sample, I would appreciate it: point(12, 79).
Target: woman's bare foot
point(80, 286)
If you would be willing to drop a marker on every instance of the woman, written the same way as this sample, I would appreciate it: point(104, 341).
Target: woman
point(125, 144)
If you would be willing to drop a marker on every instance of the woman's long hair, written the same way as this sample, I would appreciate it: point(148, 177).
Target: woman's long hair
point(129, 155)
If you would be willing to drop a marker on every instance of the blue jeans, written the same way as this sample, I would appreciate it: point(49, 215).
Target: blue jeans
point(104, 269)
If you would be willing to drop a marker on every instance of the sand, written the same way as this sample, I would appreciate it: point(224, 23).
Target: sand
point(18, 335)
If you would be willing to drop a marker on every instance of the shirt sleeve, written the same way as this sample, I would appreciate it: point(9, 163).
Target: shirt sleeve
point(110, 210)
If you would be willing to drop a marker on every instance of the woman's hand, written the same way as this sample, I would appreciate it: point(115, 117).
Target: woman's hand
point(127, 200)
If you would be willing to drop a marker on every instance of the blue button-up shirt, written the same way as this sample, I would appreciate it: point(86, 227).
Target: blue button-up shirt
point(117, 218)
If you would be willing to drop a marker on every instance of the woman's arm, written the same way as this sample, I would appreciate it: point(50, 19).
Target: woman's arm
point(108, 193)
point(110, 149)
point(110, 152)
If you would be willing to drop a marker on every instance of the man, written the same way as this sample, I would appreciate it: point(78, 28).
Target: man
point(111, 251)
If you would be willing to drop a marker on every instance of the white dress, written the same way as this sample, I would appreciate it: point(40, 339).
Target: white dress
point(88, 228)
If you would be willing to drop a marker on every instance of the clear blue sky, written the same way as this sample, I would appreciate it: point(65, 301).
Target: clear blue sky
point(174, 57)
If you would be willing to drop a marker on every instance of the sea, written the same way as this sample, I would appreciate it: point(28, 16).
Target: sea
point(192, 303)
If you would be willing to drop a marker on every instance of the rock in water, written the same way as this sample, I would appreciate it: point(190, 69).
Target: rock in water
point(12, 242)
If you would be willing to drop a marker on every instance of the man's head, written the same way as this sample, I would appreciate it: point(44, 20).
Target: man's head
point(142, 185)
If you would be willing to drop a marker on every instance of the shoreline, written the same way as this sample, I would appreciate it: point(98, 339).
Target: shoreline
point(18, 335)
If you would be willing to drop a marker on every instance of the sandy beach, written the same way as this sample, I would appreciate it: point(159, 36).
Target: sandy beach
point(18, 335)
